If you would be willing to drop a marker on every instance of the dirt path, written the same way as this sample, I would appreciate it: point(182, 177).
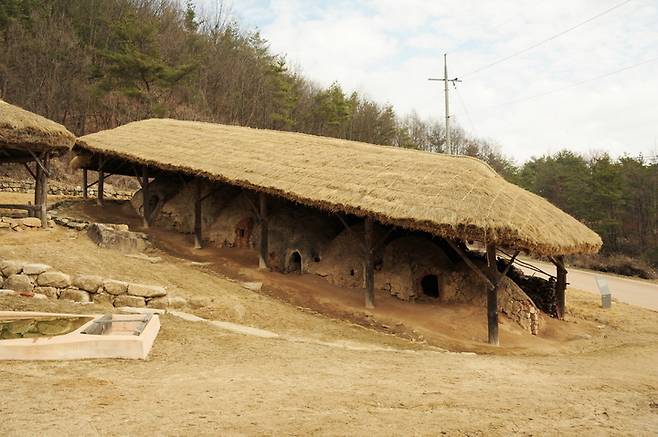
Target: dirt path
point(632, 291)
point(203, 380)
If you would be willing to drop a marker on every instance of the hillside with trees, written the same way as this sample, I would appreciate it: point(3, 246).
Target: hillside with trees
point(97, 64)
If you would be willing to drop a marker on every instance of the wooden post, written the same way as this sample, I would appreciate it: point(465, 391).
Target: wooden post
point(560, 287)
point(492, 297)
point(37, 189)
point(85, 184)
point(197, 216)
point(264, 232)
point(101, 183)
point(370, 264)
point(41, 189)
point(146, 210)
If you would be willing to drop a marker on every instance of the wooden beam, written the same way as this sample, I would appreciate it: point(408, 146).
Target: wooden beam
point(37, 188)
point(469, 263)
point(100, 199)
point(492, 297)
point(85, 184)
point(264, 232)
point(43, 199)
point(17, 160)
point(252, 205)
point(507, 267)
point(370, 263)
point(560, 286)
point(146, 209)
point(18, 206)
point(198, 240)
point(39, 160)
point(350, 230)
point(29, 170)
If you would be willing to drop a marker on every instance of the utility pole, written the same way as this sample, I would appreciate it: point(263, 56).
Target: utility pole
point(447, 99)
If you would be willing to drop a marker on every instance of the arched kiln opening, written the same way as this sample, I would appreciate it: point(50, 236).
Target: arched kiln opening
point(295, 263)
point(429, 285)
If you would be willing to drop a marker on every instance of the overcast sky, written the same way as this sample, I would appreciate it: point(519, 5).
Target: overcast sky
point(386, 49)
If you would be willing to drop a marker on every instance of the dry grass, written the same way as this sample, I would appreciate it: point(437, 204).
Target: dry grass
point(449, 196)
point(24, 130)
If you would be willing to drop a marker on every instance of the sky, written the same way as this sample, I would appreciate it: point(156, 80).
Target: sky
point(561, 94)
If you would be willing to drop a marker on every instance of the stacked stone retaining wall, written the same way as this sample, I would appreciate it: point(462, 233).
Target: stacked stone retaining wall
point(41, 281)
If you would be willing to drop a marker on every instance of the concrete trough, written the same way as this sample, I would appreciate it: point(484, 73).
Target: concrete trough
point(128, 336)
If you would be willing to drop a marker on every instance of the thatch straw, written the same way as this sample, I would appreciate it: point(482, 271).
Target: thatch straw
point(21, 129)
point(449, 196)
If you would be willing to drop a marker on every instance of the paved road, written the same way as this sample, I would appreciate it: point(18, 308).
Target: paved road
point(633, 291)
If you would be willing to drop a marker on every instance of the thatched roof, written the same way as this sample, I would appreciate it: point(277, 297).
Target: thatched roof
point(24, 130)
point(449, 196)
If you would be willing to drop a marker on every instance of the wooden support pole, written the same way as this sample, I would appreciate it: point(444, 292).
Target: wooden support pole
point(492, 297)
point(197, 216)
point(370, 263)
point(264, 232)
point(37, 189)
point(42, 202)
point(85, 184)
point(101, 183)
point(146, 208)
point(560, 286)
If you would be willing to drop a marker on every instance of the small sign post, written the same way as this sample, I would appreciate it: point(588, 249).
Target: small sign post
point(606, 296)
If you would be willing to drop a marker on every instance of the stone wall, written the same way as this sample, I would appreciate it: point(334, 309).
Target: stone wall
point(462, 285)
point(41, 281)
point(307, 240)
point(58, 189)
point(19, 224)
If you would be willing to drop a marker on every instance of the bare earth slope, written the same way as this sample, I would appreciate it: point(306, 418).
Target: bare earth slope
point(325, 377)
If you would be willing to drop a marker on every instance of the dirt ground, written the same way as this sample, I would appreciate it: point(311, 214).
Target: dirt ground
point(335, 370)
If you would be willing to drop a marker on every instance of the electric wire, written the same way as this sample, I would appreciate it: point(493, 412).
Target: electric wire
point(550, 38)
point(573, 85)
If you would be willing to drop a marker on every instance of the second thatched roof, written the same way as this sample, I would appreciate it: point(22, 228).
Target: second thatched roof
point(24, 130)
point(449, 196)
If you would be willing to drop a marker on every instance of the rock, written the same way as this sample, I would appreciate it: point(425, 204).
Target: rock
point(146, 290)
point(4, 292)
point(75, 295)
point(117, 237)
point(176, 302)
point(102, 299)
point(19, 283)
point(158, 302)
point(90, 283)
point(253, 286)
point(129, 301)
point(53, 278)
point(164, 302)
point(4, 225)
point(51, 292)
point(77, 226)
point(55, 327)
point(20, 326)
point(199, 302)
point(31, 222)
point(39, 296)
point(115, 287)
point(9, 268)
point(35, 269)
point(151, 259)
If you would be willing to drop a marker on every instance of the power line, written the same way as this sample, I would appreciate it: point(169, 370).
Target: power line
point(575, 84)
point(550, 38)
point(468, 115)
